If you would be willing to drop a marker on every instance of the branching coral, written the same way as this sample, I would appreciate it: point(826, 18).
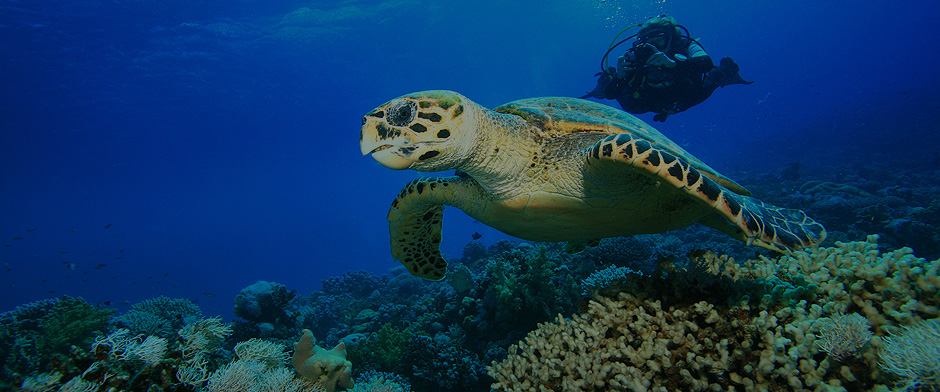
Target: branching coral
point(160, 316)
point(77, 384)
point(33, 334)
point(888, 289)
point(43, 382)
point(606, 278)
point(269, 353)
point(522, 286)
point(625, 344)
point(633, 342)
point(373, 381)
point(200, 339)
point(252, 376)
point(204, 335)
point(120, 345)
point(843, 336)
point(914, 356)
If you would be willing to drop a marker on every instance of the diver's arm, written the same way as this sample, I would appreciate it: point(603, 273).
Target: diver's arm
point(698, 58)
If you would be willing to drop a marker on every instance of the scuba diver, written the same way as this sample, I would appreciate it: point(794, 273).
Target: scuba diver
point(665, 72)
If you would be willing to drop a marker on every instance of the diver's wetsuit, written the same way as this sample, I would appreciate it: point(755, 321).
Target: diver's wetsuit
point(664, 75)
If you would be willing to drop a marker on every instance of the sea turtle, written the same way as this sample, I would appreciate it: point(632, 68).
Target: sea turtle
point(554, 169)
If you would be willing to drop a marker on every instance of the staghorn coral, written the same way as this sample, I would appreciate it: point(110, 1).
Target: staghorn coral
point(636, 343)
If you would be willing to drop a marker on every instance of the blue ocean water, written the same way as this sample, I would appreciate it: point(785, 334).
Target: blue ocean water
point(189, 148)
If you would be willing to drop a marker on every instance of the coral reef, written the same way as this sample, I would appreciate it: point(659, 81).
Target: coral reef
point(264, 302)
point(40, 336)
point(606, 279)
point(635, 342)
point(124, 360)
point(902, 207)
point(373, 381)
point(328, 368)
point(843, 336)
point(650, 312)
point(914, 356)
point(160, 316)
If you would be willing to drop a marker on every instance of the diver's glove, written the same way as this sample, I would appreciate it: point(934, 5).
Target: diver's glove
point(660, 59)
point(654, 56)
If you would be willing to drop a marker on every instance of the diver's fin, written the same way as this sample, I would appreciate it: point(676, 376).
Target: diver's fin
point(730, 73)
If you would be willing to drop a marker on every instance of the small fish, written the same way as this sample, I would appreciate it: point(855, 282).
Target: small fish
point(107, 226)
point(100, 266)
point(106, 303)
point(7, 267)
point(17, 238)
point(476, 236)
point(208, 294)
point(71, 266)
point(7, 245)
point(30, 229)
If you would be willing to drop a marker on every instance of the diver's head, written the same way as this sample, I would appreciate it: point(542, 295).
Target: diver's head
point(425, 131)
point(659, 30)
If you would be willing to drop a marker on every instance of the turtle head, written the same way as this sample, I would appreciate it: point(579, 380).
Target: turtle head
point(425, 131)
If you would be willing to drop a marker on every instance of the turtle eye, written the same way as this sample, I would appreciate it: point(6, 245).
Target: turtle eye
point(402, 113)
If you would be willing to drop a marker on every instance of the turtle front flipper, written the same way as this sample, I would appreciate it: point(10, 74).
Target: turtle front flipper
point(750, 219)
point(414, 221)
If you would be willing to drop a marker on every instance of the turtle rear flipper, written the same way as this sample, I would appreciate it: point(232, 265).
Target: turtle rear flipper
point(414, 222)
point(752, 220)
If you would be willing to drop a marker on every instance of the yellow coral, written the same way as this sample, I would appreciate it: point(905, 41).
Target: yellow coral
point(328, 368)
point(634, 343)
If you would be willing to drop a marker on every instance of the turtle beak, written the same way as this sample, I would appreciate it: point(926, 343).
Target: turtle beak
point(385, 144)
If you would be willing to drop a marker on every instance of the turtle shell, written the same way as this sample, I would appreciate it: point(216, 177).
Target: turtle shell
point(563, 116)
